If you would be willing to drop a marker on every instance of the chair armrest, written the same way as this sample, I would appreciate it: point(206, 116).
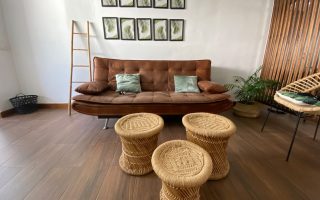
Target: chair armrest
point(211, 87)
point(92, 88)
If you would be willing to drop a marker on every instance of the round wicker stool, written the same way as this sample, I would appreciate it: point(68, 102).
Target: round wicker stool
point(212, 133)
point(183, 167)
point(139, 136)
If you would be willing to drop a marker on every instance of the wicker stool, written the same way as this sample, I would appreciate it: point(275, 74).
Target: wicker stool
point(183, 167)
point(139, 136)
point(212, 133)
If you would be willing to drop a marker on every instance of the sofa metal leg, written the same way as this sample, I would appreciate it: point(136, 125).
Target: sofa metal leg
point(265, 121)
point(294, 136)
point(106, 124)
point(316, 132)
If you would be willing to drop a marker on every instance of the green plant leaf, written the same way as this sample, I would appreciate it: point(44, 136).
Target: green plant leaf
point(160, 33)
point(143, 26)
point(127, 32)
point(110, 25)
point(176, 27)
point(247, 90)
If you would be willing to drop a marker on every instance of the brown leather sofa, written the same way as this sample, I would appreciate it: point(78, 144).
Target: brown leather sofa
point(157, 83)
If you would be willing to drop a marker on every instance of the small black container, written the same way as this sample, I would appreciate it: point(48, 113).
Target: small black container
point(24, 104)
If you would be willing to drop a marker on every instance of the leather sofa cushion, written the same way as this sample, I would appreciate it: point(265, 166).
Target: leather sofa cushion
point(111, 97)
point(211, 87)
point(92, 87)
point(155, 75)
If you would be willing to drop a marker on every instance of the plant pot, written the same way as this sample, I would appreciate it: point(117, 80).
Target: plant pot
point(247, 110)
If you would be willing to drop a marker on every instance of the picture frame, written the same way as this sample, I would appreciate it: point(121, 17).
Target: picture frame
point(109, 3)
point(128, 28)
point(144, 3)
point(144, 28)
point(176, 29)
point(164, 4)
point(160, 29)
point(177, 4)
point(110, 28)
point(127, 3)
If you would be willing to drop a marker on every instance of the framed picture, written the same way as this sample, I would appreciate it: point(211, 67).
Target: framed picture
point(126, 3)
point(110, 27)
point(144, 29)
point(144, 3)
point(160, 29)
point(109, 3)
point(177, 4)
point(160, 3)
point(128, 28)
point(176, 29)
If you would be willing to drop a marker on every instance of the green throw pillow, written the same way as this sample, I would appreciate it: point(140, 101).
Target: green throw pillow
point(128, 83)
point(186, 84)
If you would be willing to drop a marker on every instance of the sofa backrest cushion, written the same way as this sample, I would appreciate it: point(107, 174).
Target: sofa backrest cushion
point(155, 75)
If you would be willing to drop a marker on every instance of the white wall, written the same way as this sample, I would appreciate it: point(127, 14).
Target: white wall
point(232, 33)
point(9, 86)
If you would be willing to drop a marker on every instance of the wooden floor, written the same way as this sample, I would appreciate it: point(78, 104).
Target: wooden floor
point(48, 155)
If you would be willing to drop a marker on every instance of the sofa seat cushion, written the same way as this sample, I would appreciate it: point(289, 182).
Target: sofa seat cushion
point(111, 97)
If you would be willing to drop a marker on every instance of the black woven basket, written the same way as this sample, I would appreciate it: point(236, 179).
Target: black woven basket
point(24, 104)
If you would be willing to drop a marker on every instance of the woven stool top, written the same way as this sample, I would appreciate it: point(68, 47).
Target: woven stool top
point(139, 125)
point(182, 163)
point(208, 124)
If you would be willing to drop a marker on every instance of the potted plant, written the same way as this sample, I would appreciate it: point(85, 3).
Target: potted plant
point(246, 92)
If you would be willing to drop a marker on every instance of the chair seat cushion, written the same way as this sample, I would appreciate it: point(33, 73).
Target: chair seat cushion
point(299, 99)
point(293, 106)
point(112, 97)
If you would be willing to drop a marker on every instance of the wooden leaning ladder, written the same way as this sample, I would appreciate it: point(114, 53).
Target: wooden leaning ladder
point(73, 49)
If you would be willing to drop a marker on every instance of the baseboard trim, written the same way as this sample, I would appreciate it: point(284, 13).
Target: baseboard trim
point(7, 113)
point(53, 106)
point(10, 112)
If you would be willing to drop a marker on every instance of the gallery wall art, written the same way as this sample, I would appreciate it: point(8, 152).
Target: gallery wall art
point(162, 4)
point(144, 26)
point(128, 27)
point(143, 29)
point(110, 27)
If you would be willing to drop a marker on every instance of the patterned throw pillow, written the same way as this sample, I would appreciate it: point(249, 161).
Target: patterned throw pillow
point(186, 84)
point(128, 83)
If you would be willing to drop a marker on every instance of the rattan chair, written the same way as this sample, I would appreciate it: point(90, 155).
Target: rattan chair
point(308, 84)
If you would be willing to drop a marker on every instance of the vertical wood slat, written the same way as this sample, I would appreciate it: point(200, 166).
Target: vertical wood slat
point(293, 46)
point(275, 31)
point(292, 43)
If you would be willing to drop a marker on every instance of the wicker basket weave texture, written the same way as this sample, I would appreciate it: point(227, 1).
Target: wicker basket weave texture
point(307, 84)
point(212, 133)
point(139, 136)
point(183, 167)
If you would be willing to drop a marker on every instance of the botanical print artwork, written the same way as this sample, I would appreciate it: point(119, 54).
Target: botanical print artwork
point(160, 29)
point(127, 29)
point(144, 29)
point(127, 3)
point(176, 29)
point(161, 3)
point(109, 3)
point(144, 3)
point(177, 4)
point(110, 25)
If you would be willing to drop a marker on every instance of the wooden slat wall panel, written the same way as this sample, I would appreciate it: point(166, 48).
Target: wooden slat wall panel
point(293, 47)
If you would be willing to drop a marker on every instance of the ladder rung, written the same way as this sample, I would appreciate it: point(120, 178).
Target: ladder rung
point(80, 33)
point(80, 65)
point(80, 82)
point(80, 49)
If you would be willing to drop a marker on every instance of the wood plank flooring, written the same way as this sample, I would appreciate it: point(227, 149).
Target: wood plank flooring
point(49, 155)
